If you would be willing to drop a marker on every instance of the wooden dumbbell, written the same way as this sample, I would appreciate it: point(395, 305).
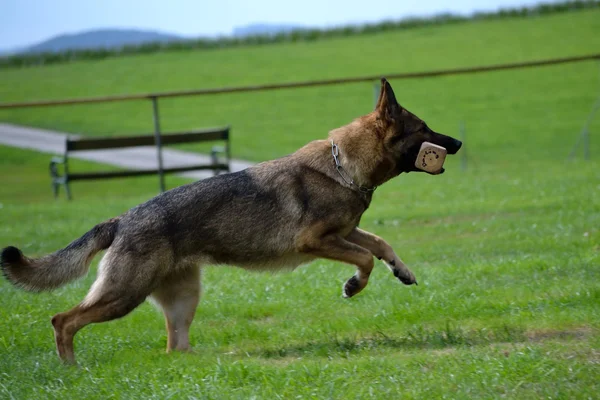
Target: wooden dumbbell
point(431, 158)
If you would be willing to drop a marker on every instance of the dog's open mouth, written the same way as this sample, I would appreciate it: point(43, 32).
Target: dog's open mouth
point(434, 154)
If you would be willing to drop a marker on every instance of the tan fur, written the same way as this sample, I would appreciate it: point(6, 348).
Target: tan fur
point(275, 215)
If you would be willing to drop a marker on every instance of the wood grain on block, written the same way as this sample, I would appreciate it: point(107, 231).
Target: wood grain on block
point(431, 157)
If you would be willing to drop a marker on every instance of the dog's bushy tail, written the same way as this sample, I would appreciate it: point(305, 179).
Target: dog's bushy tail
point(57, 269)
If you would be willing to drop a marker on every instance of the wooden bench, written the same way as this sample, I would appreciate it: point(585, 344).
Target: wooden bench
point(74, 144)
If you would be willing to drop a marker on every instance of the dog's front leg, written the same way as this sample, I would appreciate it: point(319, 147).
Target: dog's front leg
point(335, 247)
point(382, 250)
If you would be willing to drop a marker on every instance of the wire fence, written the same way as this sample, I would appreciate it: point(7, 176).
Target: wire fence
point(260, 119)
point(303, 84)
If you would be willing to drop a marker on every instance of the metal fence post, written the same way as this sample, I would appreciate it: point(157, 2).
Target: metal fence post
point(463, 138)
point(161, 174)
point(376, 90)
point(586, 145)
point(584, 136)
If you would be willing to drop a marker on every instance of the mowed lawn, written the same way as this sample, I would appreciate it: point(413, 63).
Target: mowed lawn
point(506, 252)
point(499, 109)
point(507, 304)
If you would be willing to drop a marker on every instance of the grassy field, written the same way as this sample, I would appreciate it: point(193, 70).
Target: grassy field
point(507, 305)
point(507, 253)
point(500, 110)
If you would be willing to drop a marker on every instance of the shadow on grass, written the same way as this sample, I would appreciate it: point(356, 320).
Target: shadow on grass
point(415, 339)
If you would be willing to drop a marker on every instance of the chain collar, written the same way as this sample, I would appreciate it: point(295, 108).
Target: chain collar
point(338, 166)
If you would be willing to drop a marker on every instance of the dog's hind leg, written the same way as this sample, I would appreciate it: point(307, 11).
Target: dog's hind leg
point(110, 305)
point(123, 283)
point(382, 250)
point(178, 296)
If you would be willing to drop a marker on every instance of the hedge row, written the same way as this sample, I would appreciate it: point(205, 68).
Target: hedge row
point(301, 35)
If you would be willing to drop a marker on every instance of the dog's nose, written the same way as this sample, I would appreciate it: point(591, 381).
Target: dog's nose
point(455, 146)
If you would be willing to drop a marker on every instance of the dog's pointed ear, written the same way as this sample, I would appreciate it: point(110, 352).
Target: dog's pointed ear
point(387, 105)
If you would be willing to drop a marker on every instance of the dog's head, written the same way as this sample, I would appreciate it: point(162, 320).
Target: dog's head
point(402, 132)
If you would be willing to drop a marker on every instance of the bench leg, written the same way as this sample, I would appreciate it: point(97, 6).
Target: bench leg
point(214, 161)
point(55, 187)
point(68, 190)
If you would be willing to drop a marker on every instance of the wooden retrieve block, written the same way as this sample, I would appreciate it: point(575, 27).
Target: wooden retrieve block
point(431, 158)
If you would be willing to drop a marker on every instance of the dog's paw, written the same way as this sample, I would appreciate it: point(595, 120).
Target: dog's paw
point(401, 272)
point(351, 287)
point(406, 278)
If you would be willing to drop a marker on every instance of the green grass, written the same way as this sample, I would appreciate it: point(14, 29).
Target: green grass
point(507, 253)
point(501, 110)
point(507, 259)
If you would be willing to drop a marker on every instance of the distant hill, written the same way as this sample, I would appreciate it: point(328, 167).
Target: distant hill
point(89, 45)
point(100, 39)
point(264, 29)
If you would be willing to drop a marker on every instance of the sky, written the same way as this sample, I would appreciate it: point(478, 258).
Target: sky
point(26, 22)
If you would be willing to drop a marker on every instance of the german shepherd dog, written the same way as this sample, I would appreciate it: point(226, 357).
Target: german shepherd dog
point(275, 215)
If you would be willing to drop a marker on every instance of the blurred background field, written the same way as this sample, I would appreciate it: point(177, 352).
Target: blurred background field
point(504, 111)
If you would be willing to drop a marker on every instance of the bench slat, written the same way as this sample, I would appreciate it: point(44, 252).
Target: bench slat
point(143, 172)
point(76, 144)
